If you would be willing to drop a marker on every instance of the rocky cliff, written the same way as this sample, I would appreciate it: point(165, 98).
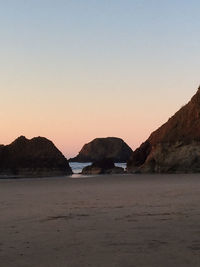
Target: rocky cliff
point(30, 158)
point(175, 146)
point(103, 148)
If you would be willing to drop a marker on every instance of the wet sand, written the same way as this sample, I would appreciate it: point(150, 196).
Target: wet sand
point(105, 221)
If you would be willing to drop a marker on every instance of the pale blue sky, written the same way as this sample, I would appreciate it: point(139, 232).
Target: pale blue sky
point(76, 70)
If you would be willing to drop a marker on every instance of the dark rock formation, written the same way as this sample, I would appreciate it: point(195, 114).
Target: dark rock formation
point(175, 146)
point(102, 148)
point(105, 166)
point(30, 158)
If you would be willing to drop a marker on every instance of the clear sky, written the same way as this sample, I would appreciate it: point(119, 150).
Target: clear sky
point(74, 70)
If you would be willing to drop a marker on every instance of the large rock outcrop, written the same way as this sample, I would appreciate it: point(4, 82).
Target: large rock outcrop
point(32, 158)
point(103, 148)
point(105, 166)
point(175, 146)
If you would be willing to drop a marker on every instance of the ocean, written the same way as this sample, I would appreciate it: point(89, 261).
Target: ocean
point(78, 166)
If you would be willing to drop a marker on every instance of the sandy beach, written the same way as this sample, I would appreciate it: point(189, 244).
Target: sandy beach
point(104, 221)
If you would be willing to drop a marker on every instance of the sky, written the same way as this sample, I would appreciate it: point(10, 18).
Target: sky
point(75, 70)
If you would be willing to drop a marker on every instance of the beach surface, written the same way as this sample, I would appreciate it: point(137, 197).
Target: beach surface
point(103, 221)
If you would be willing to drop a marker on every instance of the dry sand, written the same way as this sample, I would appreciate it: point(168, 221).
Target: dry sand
point(105, 221)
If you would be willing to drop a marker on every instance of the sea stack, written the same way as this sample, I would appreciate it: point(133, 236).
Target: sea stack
point(37, 157)
point(174, 147)
point(105, 166)
point(104, 148)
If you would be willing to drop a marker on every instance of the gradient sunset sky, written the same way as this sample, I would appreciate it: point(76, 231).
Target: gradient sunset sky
point(75, 70)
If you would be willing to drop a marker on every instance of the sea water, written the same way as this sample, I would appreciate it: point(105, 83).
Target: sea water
point(78, 166)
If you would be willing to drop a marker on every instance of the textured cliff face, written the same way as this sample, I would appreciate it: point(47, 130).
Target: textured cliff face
point(103, 148)
point(35, 157)
point(175, 146)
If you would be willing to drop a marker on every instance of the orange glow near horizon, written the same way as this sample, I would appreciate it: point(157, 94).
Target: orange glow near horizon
point(71, 118)
point(70, 128)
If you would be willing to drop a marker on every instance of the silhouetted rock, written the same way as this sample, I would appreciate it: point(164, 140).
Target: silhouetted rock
point(30, 158)
point(101, 148)
point(105, 166)
point(90, 170)
point(175, 146)
point(99, 167)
